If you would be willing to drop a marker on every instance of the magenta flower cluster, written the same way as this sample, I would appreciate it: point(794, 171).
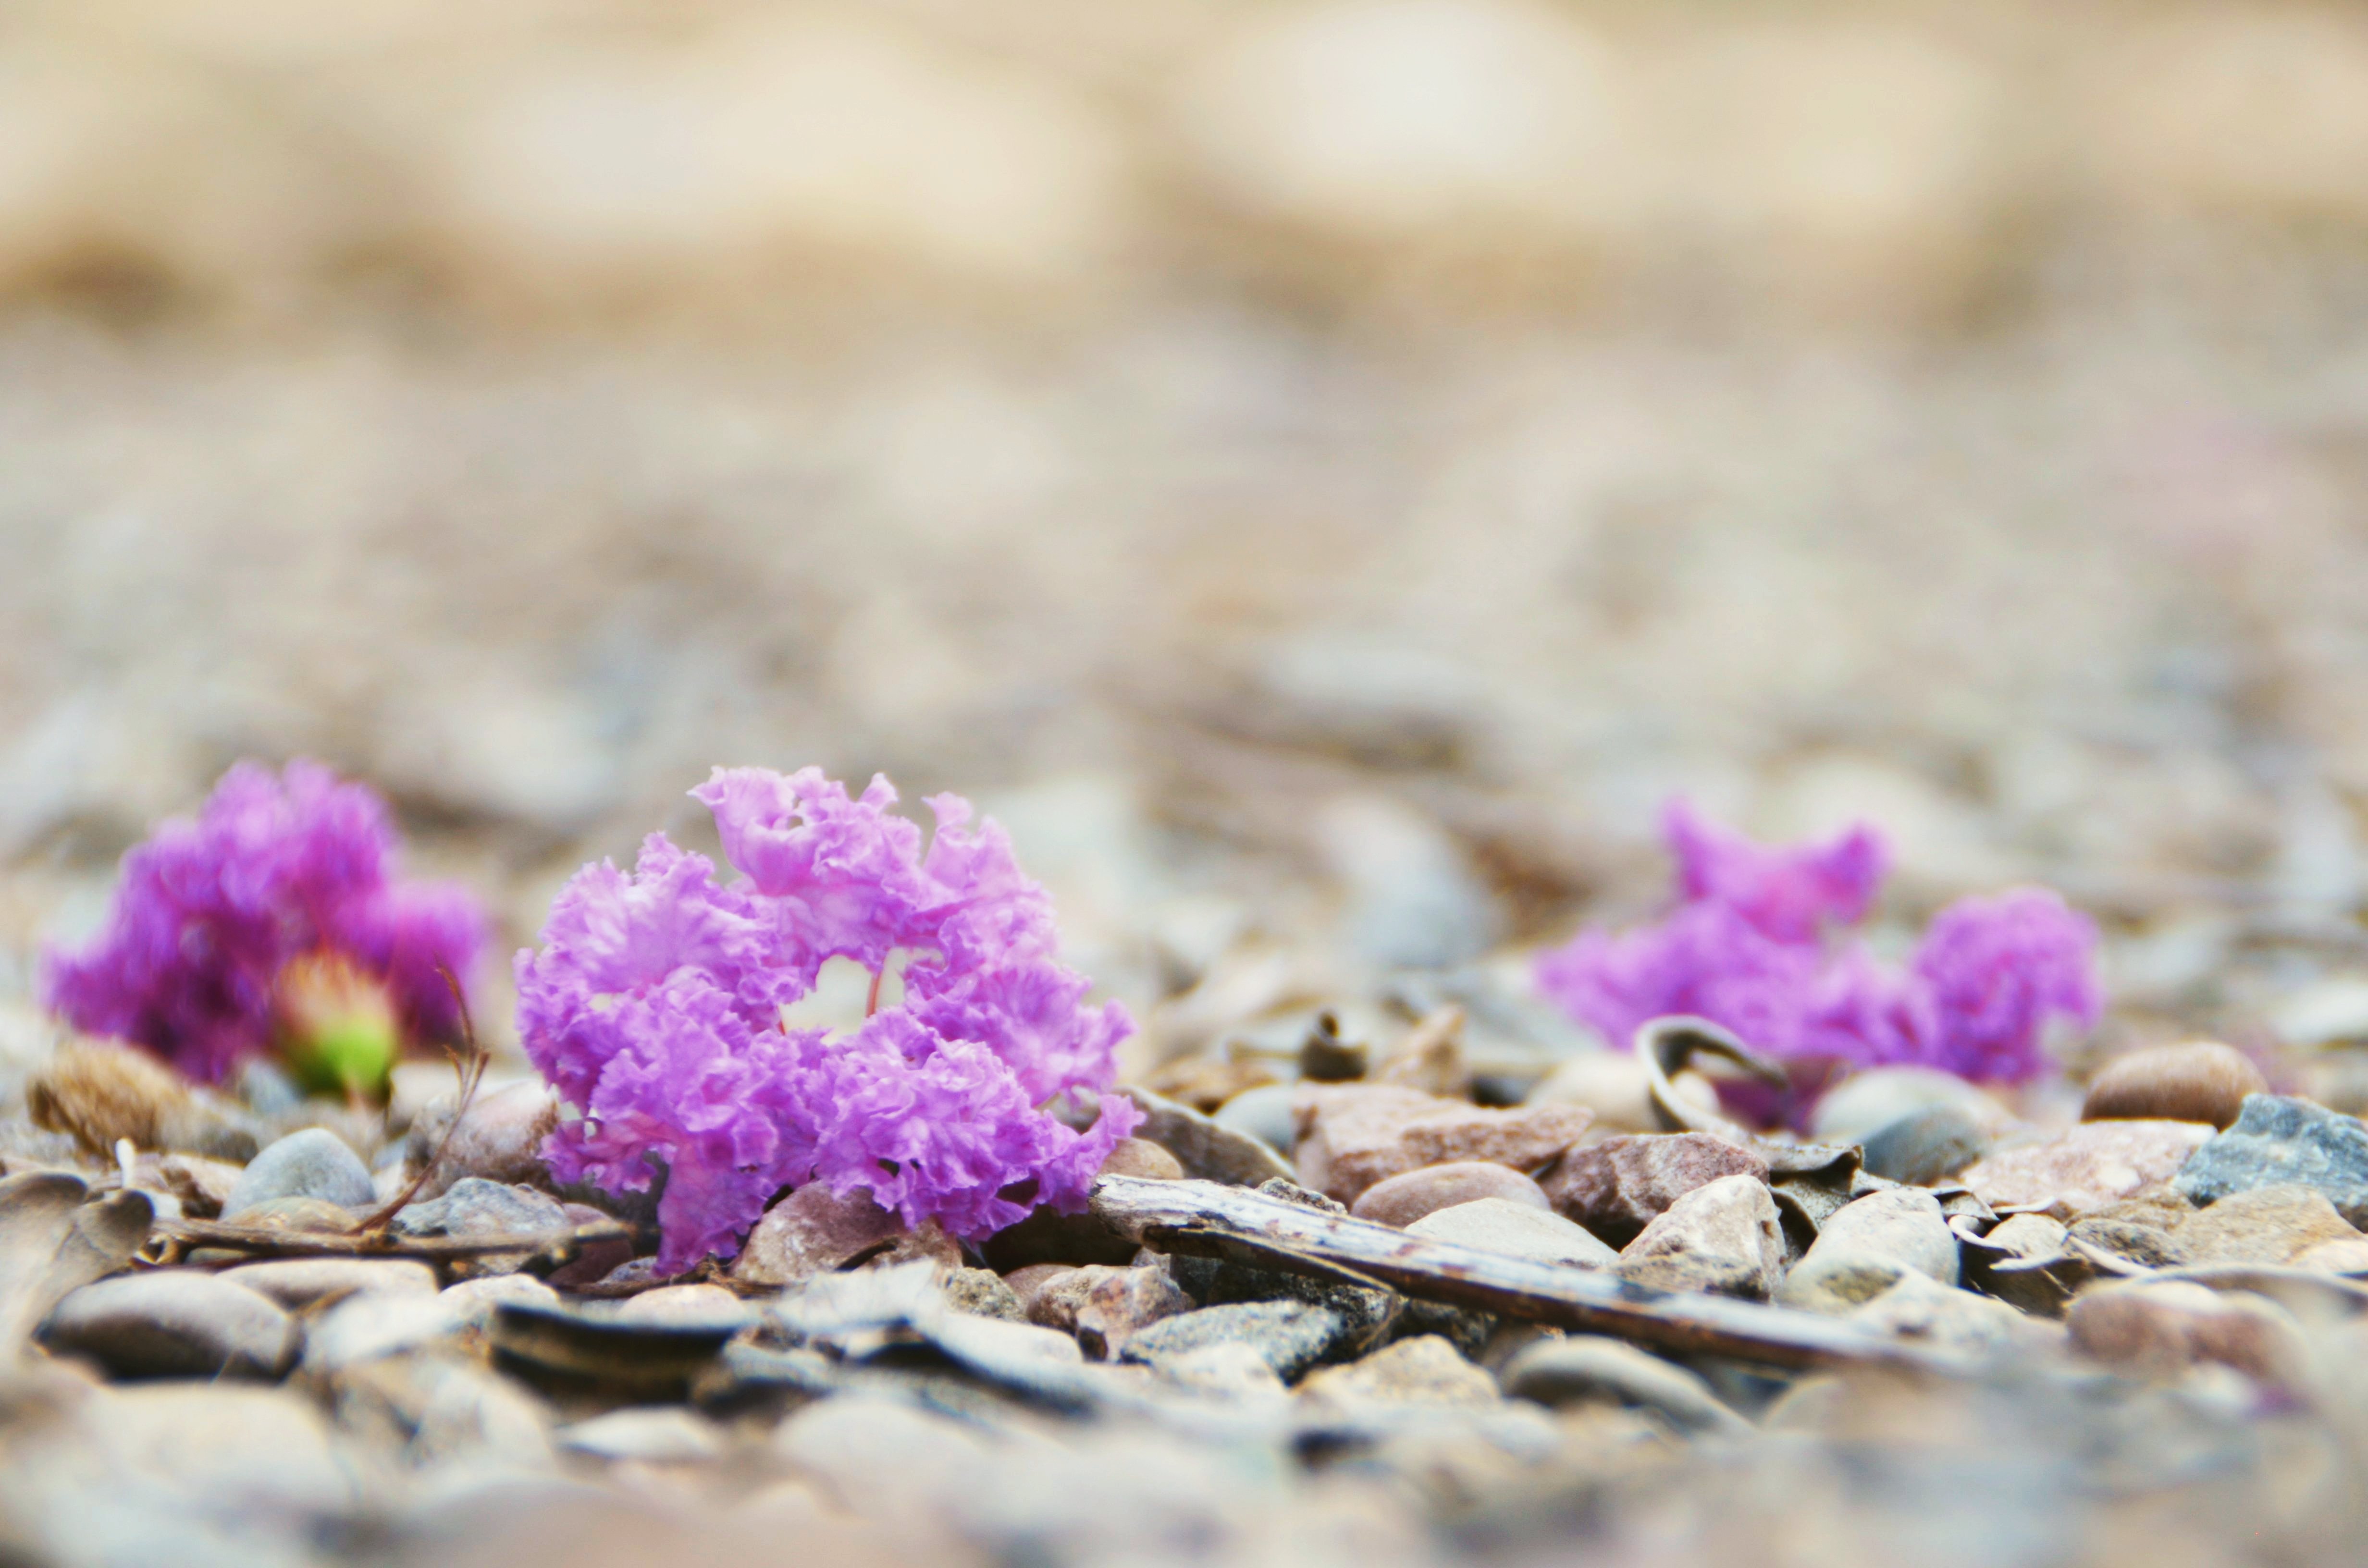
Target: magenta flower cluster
point(1762, 940)
point(655, 1005)
point(209, 911)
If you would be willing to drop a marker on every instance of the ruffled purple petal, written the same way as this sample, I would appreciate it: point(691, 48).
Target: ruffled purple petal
point(1758, 943)
point(209, 910)
point(655, 1005)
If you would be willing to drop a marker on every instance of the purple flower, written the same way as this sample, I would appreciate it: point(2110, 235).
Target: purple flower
point(1761, 942)
point(211, 911)
point(655, 1005)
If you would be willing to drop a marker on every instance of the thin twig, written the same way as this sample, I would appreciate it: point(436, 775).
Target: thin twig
point(559, 1244)
point(469, 1071)
point(1206, 1218)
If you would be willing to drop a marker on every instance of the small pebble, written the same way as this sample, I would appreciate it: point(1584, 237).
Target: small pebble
point(314, 1162)
point(2203, 1080)
point(301, 1281)
point(1425, 1370)
point(1263, 1113)
point(1588, 1367)
point(1497, 1224)
point(1403, 1199)
point(1141, 1157)
point(174, 1323)
point(1721, 1237)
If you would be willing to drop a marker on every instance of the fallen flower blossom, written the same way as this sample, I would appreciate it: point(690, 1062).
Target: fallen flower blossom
point(656, 1007)
point(1763, 941)
point(273, 918)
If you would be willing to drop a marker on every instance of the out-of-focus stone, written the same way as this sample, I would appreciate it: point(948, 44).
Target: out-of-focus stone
point(1425, 1370)
point(2028, 1235)
point(1290, 1336)
point(811, 1231)
point(368, 1327)
point(1920, 1309)
point(2348, 1257)
point(1838, 1282)
point(1865, 1103)
point(1142, 1157)
point(1353, 1135)
point(2279, 1140)
point(1029, 1282)
point(98, 1093)
point(2159, 1328)
point(983, 1293)
point(1229, 1369)
point(2203, 1080)
point(475, 1207)
point(1263, 1113)
point(1924, 1146)
point(1402, 1199)
point(471, 1301)
point(1617, 1188)
point(499, 1138)
point(2268, 1224)
point(314, 1162)
point(302, 1281)
point(698, 1305)
point(1721, 1237)
point(1585, 1367)
point(650, 1434)
point(174, 1323)
point(1903, 1223)
point(1618, 1088)
point(1104, 1306)
point(202, 1185)
point(1207, 1083)
point(1497, 1224)
point(1208, 1148)
point(2084, 1167)
point(1430, 1057)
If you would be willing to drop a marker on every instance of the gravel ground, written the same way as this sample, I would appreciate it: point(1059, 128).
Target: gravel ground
point(1322, 476)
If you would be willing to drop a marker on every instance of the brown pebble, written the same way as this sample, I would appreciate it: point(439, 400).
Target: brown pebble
point(1403, 1199)
point(1142, 1157)
point(1026, 1282)
point(2200, 1082)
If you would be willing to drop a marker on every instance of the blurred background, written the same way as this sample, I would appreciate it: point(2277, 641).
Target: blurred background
point(1322, 470)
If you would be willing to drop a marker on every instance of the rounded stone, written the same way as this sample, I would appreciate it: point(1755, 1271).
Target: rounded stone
point(1141, 1157)
point(174, 1323)
point(2203, 1080)
point(314, 1162)
point(1263, 1113)
point(1517, 1230)
point(1902, 1223)
point(1402, 1199)
point(301, 1281)
point(1588, 1368)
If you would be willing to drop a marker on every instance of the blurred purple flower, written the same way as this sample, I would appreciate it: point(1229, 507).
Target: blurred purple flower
point(211, 910)
point(655, 1005)
point(1761, 942)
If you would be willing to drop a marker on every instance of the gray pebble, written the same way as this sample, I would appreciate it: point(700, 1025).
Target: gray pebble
point(174, 1323)
point(1263, 1113)
point(2279, 1140)
point(1924, 1145)
point(299, 1281)
point(314, 1162)
point(1588, 1367)
point(1290, 1336)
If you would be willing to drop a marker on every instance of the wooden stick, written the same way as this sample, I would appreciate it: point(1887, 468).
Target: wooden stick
point(1200, 1217)
point(558, 1245)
